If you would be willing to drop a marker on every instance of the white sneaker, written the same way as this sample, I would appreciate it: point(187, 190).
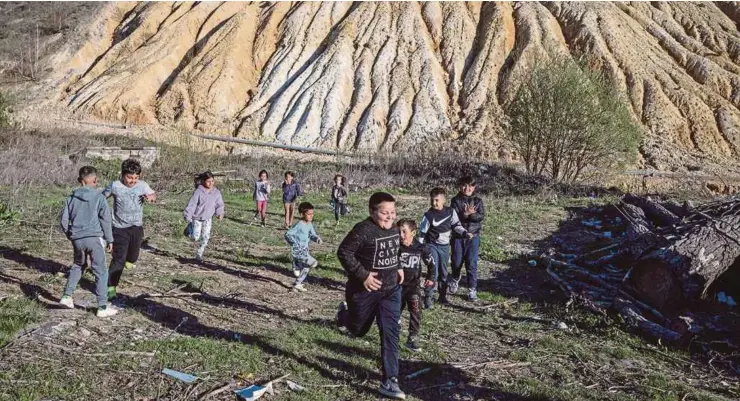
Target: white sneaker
point(299, 287)
point(296, 272)
point(109, 311)
point(67, 302)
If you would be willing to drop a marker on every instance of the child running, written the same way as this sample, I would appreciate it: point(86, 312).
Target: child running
point(298, 238)
point(464, 248)
point(339, 197)
point(369, 256)
point(129, 195)
point(205, 203)
point(85, 220)
point(436, 228)
point(291, 191)
point(261, 195)
point(411, 255)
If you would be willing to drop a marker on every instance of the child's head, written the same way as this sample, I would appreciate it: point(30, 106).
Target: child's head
point(467, 185)
point(437, 198)
point(88, 175)
point(289, 176)
point(130, 172)
point(339, 179)
point(408, 231)
point(263, 175)
point(206, 179)
point(306, 211)
point(382, 207)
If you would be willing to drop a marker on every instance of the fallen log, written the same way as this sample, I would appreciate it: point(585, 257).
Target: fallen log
point(667, 277)
point(637, 321)
point(654, 211)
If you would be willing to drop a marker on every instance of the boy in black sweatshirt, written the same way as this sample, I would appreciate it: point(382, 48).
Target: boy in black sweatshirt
point(412, 255)
point(369, 256)
point(465, 249)
point(436, 230)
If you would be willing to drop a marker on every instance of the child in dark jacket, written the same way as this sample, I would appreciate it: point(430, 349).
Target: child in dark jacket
point(339, 197)
point(291, 191)
point(436, 230)
point(369, 256)
point(86, 221)
point(465, 248)
point(205, 203)
point(411, 256)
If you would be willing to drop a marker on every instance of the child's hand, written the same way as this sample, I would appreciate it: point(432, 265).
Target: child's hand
point(109, 248)
point(319, 240)
point(400, 276)
point(220, 218)
point(372, 283)
point(470, 235)
point(469, 209)
point(428, 283)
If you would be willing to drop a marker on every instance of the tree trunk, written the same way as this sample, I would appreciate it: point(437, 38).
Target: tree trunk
point(655, 212)
point(669, 276)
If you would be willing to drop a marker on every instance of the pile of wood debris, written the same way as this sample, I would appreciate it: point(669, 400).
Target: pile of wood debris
point(656, 264)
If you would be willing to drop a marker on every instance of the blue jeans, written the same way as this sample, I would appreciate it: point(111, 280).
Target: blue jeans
point(466, 251)
point(385, 308)
point(440, 255)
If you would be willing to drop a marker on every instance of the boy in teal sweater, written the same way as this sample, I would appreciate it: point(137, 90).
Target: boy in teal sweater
point(299, 237)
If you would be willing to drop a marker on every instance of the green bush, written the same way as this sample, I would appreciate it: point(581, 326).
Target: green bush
point(8, 215)
point(565, 121)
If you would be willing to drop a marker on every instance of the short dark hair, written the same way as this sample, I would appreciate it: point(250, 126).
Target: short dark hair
point(467, 180)
point(263, 171)
point(437, 191)
point(86, 171)
point(303, 207)
point(378, 198)
point(410, 223)
point(202, 177)
point(343, 179)
point(287, 173)
point(131, 166)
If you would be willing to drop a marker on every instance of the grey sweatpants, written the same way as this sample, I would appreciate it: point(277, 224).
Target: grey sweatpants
point(95, 247)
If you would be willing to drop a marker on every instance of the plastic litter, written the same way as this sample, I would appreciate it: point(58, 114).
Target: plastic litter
point(294, 386)
point(254, 392)
point(533, 263)
point(721, 297)
point(179, 375)
point(418, 373)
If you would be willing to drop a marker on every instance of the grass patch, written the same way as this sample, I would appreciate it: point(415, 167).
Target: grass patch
point(15, 314)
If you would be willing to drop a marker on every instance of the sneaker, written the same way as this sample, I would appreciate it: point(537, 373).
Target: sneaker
point(390, 389)
point(296, 272)
point(472, 295)
point(341, 315)
point(412, 346)
point(452, 285)
point(67, 302)
point(129, 265)
point(111, 293)
point(262, 224)
point(428, 302)
point(107, 311)
point(299, 287)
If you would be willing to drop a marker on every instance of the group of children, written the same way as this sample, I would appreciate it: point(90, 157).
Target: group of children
point(382, 258)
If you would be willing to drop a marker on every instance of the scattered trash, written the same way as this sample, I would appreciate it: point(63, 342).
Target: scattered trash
point(562, 326)
point(294, 386)
point(607, 234)
point(730, 301)
point(533, 263)
point(179, 375)
point(254, 392)
point(418, 373)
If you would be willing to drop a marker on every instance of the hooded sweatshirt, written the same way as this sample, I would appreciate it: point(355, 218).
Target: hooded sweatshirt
point(369, 248)
point(86, 214)
point(203, 205)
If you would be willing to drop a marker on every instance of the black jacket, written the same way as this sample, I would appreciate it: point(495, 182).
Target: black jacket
point(472, 223)
point(369, 248)
point(411, 259)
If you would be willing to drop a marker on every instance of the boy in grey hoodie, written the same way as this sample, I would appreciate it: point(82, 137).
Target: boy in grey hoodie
point(86, 221)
